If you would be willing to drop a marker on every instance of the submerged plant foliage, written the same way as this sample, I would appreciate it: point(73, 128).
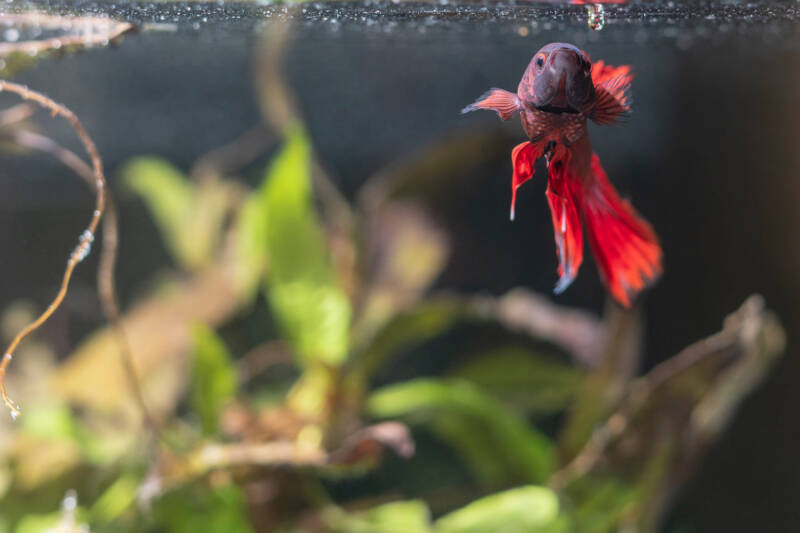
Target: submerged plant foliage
point(265, 369)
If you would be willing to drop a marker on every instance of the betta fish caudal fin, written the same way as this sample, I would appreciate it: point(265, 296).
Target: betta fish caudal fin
point(503, 102)
point(624, 245)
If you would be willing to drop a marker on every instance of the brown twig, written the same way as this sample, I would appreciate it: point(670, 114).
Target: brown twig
point(108, 299)
point(83, 248)
point(739, 335)
point(579, 332)
point(262, 357)
point(231, 157)
point(108, 256)
point(365, 445)
point(106, 30)
point(16, 114)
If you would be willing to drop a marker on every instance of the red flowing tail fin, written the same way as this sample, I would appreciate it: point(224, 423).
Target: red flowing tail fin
point(624, 244)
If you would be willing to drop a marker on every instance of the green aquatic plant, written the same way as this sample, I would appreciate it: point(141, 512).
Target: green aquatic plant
point(280, 364)
point(301, 409)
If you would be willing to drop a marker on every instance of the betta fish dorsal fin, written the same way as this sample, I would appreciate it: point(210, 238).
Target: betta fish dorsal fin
point(503, 102)
point(612, 87)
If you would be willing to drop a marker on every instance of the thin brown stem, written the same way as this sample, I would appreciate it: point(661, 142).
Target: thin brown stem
point(233, 156)
point(108, 299)
point(16, 114)
point(83, 248)
point(108, 257)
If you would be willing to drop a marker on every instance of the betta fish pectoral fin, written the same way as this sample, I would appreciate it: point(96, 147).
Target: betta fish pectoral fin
point(498, 100)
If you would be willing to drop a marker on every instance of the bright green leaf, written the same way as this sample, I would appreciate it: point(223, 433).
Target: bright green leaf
point(38, 523)
point(395, 517)
point(499, 445)
point(50, 422)
point(115, 500)
point(526, 380)
point(312, 309)
point(529, 509)
point(213, 377)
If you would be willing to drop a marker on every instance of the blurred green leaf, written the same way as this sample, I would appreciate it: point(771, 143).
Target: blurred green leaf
point(165, 190)
point(53, 422)
point(220, 509)
point(395, 517)
point(524, 379)
point(529, 509)
point(251, 245)
point(598, 503)
point(213, 377)
point(312, 308)
point(189, 215)
point(57, 424)
point(115, 500)
point(38, 523)
point(499, 446)
point(403, 251)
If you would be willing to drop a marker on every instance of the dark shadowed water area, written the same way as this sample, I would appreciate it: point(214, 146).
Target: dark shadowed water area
point(710, 155)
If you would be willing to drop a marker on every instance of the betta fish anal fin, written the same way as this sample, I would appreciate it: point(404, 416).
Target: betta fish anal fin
point(564, 195)
point(503, 102)
point(624, 245)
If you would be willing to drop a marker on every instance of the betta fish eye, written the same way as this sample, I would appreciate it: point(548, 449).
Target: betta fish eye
point(540, 60)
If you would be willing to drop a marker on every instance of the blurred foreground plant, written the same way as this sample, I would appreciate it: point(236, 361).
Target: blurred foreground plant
point(260, 431)
point(269, 359)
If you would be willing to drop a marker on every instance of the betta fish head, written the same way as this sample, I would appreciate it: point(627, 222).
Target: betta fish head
point(558, 80)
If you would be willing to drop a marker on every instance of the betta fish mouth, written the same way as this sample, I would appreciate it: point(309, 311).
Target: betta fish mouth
point(557, 110)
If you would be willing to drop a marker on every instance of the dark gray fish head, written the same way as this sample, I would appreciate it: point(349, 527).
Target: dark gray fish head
point(558, 80)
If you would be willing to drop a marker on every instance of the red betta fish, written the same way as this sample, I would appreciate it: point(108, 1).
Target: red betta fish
point(560, 90)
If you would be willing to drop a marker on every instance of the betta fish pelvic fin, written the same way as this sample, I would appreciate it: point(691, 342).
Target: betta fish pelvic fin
point(523, 158)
